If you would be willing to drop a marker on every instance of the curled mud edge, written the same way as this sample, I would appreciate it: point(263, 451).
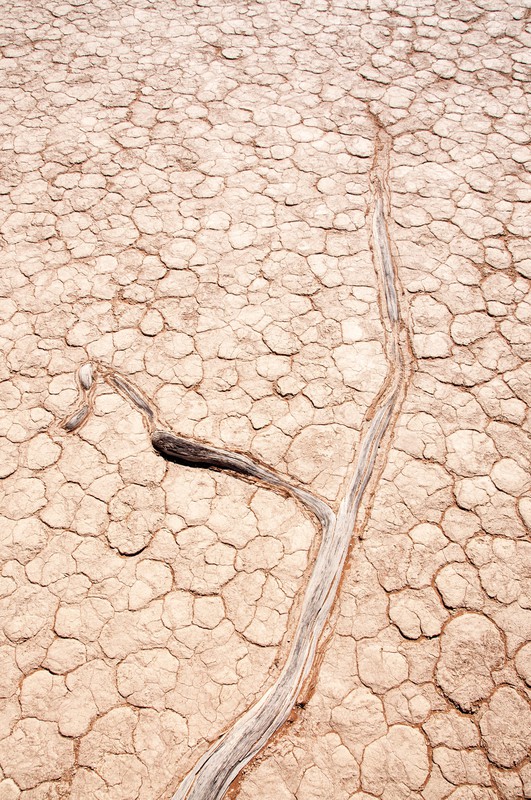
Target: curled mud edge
point(220, 765)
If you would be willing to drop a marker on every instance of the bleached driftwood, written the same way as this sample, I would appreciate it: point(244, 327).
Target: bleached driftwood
point(213, 773)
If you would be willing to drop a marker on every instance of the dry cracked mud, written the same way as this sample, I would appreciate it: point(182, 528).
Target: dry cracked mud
point(189, 218)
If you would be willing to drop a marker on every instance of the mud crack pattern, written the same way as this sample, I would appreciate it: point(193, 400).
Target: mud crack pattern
point(189, 206)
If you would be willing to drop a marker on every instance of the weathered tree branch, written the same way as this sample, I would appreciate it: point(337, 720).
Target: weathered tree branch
point(211, 776)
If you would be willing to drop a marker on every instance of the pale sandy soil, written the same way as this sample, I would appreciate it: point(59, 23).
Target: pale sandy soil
point(185, 198)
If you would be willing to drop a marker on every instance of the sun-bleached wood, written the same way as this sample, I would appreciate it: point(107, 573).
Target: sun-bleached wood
point(217, 768)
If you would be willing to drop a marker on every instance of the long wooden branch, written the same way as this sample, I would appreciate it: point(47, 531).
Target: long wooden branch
point(212, 775)
point(186, 451)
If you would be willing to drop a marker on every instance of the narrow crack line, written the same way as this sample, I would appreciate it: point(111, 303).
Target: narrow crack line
point(214, 772)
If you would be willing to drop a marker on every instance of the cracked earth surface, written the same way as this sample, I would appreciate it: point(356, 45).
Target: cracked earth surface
point(187, 193)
